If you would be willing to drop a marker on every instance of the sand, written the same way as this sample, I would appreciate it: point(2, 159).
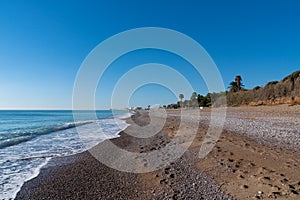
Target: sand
point(246, 162)
point(252, 164)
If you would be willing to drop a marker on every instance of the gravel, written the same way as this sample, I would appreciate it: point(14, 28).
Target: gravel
point(275, 127)
point(83, 177)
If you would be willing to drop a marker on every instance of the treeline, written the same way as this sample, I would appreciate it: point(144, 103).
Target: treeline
point(275, 92)
point(195, 100)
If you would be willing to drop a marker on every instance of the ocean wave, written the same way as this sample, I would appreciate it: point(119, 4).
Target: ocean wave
point(43, 140)
point(26, 135)
point(125, 115)
point(30, 158)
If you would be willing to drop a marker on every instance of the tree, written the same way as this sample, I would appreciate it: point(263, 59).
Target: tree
point(238, 80)
point(233, 87)
point(186, 103)
point(236, 85)
point(199, 99)
point(181, 96)
point(203, 101)
point(194, 99)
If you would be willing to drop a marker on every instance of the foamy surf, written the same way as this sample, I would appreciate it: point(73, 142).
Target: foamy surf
point(24, 136)
point(22, 161)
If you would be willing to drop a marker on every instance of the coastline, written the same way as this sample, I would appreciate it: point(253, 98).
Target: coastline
point(51, 160)
point(238, 166)
point(86, 178)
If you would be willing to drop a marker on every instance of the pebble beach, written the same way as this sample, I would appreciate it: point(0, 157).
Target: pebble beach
point(256, 157)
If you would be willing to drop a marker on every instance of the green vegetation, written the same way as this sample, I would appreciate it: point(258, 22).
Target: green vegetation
point(293, 76)
point(196, 100)
point(236, 85)
point(256, 88)
point(274, 92)
point(271, 83)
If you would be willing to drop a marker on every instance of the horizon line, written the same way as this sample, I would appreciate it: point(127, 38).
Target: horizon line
point(56, 109)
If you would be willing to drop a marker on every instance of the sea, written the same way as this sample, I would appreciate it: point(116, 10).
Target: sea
point(29, 139)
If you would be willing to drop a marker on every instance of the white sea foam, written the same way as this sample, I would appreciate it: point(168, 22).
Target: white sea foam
point(125, 115)
point(22, 162)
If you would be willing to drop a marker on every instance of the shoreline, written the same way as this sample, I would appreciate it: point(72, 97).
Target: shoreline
point(237, 168)
point(54, 164)
point(62, 160)
point(95, 180)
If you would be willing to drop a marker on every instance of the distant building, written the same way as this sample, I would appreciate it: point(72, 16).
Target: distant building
point(135, 108)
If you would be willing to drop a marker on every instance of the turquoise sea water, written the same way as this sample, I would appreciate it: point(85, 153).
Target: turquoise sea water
point(29, 139)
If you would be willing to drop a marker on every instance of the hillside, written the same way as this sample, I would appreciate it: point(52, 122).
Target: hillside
point(276, 92)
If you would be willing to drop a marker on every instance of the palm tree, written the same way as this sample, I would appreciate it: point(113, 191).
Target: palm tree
point(233, 86)
point(238, 80)
point(194, 99)
point(181, 96)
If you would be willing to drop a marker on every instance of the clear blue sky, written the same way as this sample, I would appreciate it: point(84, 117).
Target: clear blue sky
point(43, 43)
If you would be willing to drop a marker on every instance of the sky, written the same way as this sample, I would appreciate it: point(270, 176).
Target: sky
point(44, 43)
